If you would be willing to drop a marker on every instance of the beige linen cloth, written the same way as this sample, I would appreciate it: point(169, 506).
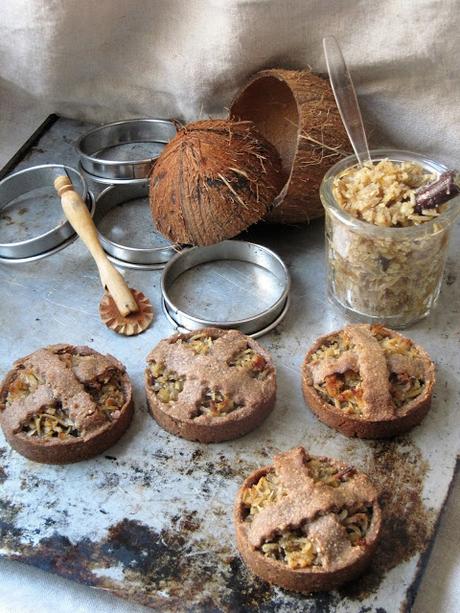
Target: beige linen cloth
point(110, 59)
point(105, 60)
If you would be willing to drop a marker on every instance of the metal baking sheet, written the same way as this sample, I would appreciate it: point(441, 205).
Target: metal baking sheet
point(151, 518)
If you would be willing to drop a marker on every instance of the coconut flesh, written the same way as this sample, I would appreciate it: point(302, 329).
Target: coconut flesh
point(212, 181)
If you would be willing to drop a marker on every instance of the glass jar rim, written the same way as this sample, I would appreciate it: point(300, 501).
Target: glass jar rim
point(396, 155)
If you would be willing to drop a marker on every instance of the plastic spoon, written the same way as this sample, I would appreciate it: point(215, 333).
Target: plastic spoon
point(345, 97)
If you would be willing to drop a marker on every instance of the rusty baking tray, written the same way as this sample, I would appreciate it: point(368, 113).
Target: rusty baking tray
point(151, 519)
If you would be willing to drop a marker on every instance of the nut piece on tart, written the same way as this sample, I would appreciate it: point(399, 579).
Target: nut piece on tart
point(368, 381)
point(307, 523)
point(65, 403)
point(210, 385)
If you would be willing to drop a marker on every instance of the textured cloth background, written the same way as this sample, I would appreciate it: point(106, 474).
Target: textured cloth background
point(111, 59)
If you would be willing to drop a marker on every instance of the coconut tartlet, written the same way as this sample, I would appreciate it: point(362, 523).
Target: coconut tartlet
point(65, 403)
point(307, 523)
point(368, 381)
point(210, 386)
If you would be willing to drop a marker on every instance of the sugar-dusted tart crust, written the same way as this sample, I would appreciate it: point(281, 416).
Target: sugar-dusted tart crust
point(211, 385)
point(307, 523)
point(368, 381)
point(65, 403)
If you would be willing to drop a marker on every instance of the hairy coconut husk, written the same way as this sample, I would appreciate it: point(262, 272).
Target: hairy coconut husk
point(212, 181)
point(296, 112)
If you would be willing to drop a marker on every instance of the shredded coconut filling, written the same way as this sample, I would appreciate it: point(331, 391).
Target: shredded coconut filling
point(216, 404)
point(25, 383)
point(344, 391)
point(108, 394)
point(198, 343)
point(249, 360)
point(383, 193)
point(268, 490)
point(166, 384)
point(297, 550)
point(51, 422)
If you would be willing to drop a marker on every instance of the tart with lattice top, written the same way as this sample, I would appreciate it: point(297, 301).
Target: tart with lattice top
point(64, 403)
point(307, 523)
point(211, 385)
point(368, 381)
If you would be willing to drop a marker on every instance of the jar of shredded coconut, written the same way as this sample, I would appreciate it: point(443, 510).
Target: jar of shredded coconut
point(385, 256)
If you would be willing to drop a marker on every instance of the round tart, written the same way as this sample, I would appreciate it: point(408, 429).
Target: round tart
point(368, 381)
point(64, 403)
point(307, 523)
point(210, 386)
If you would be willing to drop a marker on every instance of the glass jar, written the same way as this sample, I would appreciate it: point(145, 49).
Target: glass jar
point(384, 274)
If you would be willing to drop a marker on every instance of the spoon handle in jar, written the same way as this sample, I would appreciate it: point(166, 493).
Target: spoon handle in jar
point(346, 99)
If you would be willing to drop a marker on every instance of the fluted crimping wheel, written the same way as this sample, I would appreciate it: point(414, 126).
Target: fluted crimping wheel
point(210, 386)
point(307, 523)
point(368, 381)
point(64, 403)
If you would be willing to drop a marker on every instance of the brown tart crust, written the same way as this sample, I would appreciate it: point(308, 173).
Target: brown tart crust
point(210, 385)
point(307, 523)
point(368, 381)
point(65, 403)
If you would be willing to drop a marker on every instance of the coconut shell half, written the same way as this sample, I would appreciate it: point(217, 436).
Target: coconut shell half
point(212, 181)
point(297, 113)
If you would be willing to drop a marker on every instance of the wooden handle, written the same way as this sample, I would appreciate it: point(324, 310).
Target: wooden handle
point(78, 215)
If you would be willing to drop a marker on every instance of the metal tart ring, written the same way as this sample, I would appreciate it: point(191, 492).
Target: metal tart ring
point(24, 181)
point(63, 245)
point(254, 335)
point(110, 135)
point(122, 255)
point(227, 250)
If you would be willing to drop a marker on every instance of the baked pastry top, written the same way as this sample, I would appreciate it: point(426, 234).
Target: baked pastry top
point(61, 395)
point(307, 517)
point(210, 378)
point(368, 373)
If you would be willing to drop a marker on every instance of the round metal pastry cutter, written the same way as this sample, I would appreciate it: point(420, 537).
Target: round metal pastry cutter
point(34, 227)
point(130, 226)
point(233, 284)
point(95, 147)
point(124, 310)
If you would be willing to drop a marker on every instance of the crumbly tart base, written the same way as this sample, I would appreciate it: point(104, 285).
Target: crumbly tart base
point(209, 370)
point(70, 449)
point(391, 422)
point(312, 578)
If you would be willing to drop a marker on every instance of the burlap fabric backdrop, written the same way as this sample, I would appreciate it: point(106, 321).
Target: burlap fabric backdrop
point(110, 59)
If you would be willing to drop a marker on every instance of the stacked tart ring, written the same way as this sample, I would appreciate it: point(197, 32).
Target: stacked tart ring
point(307, 523)
point(210, 386)
point(64, 403)
point(368, 381)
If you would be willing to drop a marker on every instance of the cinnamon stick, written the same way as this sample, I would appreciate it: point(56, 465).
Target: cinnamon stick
point(433, 195)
